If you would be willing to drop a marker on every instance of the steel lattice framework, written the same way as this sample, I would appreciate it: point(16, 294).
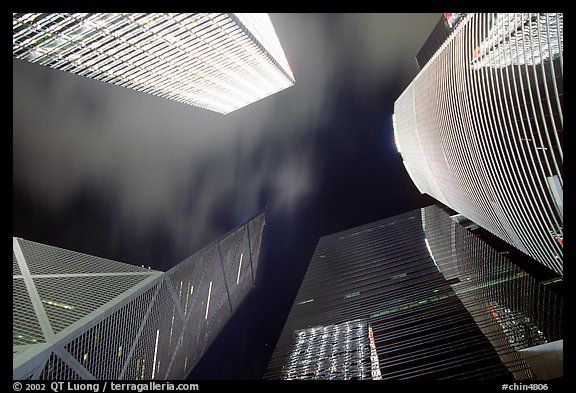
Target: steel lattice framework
point(78, 316)
point(220, 62)
point(480, 128)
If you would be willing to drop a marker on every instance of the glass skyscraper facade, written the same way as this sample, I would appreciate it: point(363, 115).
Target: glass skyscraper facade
point(480, 128)
point(220, 62)
point(78, 316)
point(414, 296)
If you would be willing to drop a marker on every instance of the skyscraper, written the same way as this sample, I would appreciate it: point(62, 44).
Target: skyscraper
point(416, 296)
point(480, 128)
point(220, 62)
point(78, 316)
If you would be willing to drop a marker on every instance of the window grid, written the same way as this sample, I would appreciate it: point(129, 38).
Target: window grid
point(425, 284)
point(115, 324)
point(216, 70)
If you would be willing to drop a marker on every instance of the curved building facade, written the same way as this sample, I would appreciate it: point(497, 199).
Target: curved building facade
point(480, 128)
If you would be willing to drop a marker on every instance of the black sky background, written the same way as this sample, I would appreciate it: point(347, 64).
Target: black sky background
point(131, 177)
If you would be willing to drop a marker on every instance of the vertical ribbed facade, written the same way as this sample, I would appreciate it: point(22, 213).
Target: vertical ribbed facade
point(220, 62)
point(78, 316)
point(512, 308)
point(480, 128)
point(407, 297)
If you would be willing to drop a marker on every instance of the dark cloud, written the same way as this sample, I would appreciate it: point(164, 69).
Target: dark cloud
point(158, 161)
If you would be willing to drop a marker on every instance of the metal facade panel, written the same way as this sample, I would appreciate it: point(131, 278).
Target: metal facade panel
point(480, 128)
point(139, 324)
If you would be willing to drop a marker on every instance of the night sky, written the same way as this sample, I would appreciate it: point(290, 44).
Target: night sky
point(135, 178)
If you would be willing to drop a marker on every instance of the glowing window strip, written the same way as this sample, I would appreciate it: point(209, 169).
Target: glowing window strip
point(208, 301)
point(374, 361)
point(188, 293)
point(239, 267)
point(396, 143)
point(172, 323)
point(155, 353)
point(58, 304)
point(430, 252)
